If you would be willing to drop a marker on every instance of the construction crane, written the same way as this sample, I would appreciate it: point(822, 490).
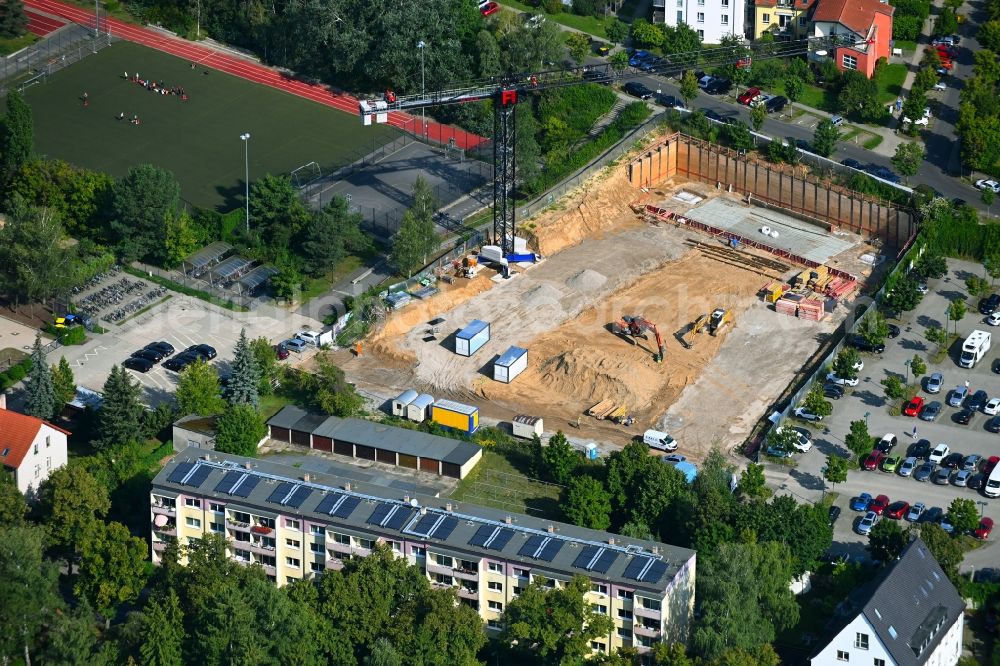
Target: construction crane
point(636, 326)
point(507, 91)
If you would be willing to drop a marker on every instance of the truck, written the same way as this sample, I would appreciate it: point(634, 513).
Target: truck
point(974, 348)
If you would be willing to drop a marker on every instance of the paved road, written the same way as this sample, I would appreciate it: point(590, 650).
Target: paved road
point(804, 481)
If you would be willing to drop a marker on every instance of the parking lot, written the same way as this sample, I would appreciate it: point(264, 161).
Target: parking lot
point(181, 321)
point(867, 401)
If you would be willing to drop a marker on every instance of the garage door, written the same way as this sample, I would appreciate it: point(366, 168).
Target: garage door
point(343, 448)
point(300, 437)
point(280, 434)
point(407, 461)
point(451, 469)
point(429, 465)
point(322, 443)
point(364, 452)
point(384, 456)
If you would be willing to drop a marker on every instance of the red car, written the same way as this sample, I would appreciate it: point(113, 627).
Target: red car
point(489, 8)
point(874, 460)
point(946, 64)
point(879, 505)
point(914, 406)
point(984, 529)
point(897, 510)
point(281, 352)
point(750, 95)
point(989, 465)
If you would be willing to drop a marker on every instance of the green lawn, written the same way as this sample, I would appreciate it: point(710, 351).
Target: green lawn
point(14, 44)
point(198, 140)
point(313, 287)
point(498, 481)
point(907, 46)
point(814, 96)
point(890, 82)
point(589, 24)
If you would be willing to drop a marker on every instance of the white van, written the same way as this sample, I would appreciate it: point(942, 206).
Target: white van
point(655, 439)
point(992, 486)
point(974, 348)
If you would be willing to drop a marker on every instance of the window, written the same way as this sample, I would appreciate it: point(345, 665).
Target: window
point(624, 614)
point(267, 560)
point(5, 453)
point(443, 560)
point(802, 21)
point(38, 471)
point(765, 18)
point(680, 16)
point(701, 17)
point(366, 543)
point(625, 633)
point(680, 3)
point(192, 522)
point(290, 579)
point(242, 555)
point(496, 606)
point(725, 19)
point(442, 579)
point(48, 441)
point(468, 565)
point(850, 62)
point(496, 568)
point(266, 522)
point(701, 35)
point(218, 528)
point(192, 501)
point(495, 586)
point(521, 573)
point(600, 608)
point(293, 543)
point(599, 588)
point(861, 641)
point(342, 539)
point(597, 646)
point(625, 594)
point(419, 551)
point(651, 604)
point(293, 562)
point(241, 517)
point(316, 548)
point(292, 524)
point(216, 507)
point(725, 3)
point(518, 590)
point(317, 530)
point(551, 583)
point(494, 624)
point(880, 662)
point(396, 547)
point(36, 449)
point(242, 536)
point(843, 655)
point(48, 463)
point(316, 567)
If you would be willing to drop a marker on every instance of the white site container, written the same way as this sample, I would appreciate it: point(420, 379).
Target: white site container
point(419, 409)
point(527, 426)
point(400, 402)
point(471, 338)
point(510, 364)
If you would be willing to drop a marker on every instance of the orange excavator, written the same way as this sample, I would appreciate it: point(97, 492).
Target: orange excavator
point(636, 326)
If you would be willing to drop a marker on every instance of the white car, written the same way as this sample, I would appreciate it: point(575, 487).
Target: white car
point(994, 319)
point(802, 442)
point(939, 453)
point(834, 379)
point(805, 414)
point(988, 185)
point(992, 407)
point(940, 85)
point(919, 121)
point(309, 337)
point(860, 365)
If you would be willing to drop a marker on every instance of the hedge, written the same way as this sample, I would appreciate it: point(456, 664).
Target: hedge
point(14, 374)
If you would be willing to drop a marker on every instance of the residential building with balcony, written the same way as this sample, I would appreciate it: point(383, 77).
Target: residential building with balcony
point(298, 525)
point(30, 448)
point(785, 19)
point(711, 19)
point(865, 27)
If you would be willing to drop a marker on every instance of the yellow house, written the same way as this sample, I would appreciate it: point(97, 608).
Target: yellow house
point(785, 19)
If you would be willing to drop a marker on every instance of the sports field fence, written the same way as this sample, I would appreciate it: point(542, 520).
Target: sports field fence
point(62, 48)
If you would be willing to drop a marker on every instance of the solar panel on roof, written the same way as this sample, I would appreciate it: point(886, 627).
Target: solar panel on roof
point(298, 497)
point(604, 561)
point(327, 503)
point(279, 494)
point(345, 508)
point(635, 567)
point(655, 572)
point(398, 518)
point(585, 557)
point(228, 481)
point(531, 546)
point(425, 524)
point(245, 486)
point(549, 549)
point(491, 537)
point(445, 528)
point(380, 513)
point(500, 540)
point(180, 472)
point(482, 535)
point(197, 476)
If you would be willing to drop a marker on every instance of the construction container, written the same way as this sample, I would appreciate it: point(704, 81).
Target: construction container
point(527, 426)
point(510, 364)
point(400, 402)
point(419, 409)
point(773, 291)
point(527, 257)
point(471, 338)
point(455, 415)
point(491, 253)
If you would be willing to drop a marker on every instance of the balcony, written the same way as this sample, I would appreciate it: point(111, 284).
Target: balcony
point(242, 560)
point(648, 632)
point(166, 530)
point(651, 613)
point(261, 529)
point(468, 593)
point(442, 586)
point(237, 525)
point(163, 510)
point(159, 546)
point(269, 570)
point(343, 548)
point(466, 574)
point(261, 549)
point(334, 564)
point(434, 568)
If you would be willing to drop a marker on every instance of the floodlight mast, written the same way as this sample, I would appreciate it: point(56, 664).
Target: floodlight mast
point(507, 91)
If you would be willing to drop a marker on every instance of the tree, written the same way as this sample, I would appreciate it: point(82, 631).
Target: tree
point(28, 590)
point(578, 46)
point(738, 135)
point(552, 626)
point(71, 637)
point(617, 31)
point(913, 108)
point(836, 470)
point(618, 61)
point(17, 135)
point(792, 153)
point(120, 417)
point(894, 387)
point(383, 654)
point(416, 238)
point(276, 213)
point(751, 577)
point(72, 502)
point(783, 439)
point(560, 459)
point(35, 260)
point(63, 383)
point(181, 237)
point(244, 381)
point(333, 393)
point(874, 328)
point(989, 35)
point(793, 88)
point(330, 235)
point(13, 20)
point(490, 59)
point(588, 504)
point(825, 138)
point(645, 33)
point(858, 97)
point(758, 114)
point(947, 551)
point(267, 363)
point(40, 396)
point(817, 403)
point(962, 515)
point(917, 366)
point(946, 22)
point(908, 158)
point(141, 201)
point(956, 311)
point(904, 295)
point(238, 431)
point(931, 264)
point(689, 87)
point(112, 567)
point(162, 628)
point(886, 541)
point(752, 481)
point(977, 286)
point(858, 440)
point(925, 78)
point(991, 262)
point(845, 365)
point(988, 196)
point(198, 390)
point(936, 334)
point(13, 507)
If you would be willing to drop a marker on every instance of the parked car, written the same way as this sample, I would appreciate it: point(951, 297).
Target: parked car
point(873, 460)
point(712, 115)
point(953, 460)
point(933, 514)
point(913, 406)
point(137, 364)
point(719, 87)
point(776, 104)
point(993, 425)
point(989, 304)
point(837, 120)
point(961, 478)
point(984, 529)
point(907, 466)
point(993, 319)
point(893, 331)
point(636, 89)
point(939, 453)
point(861, 502)
point(834, 388)
point(897, 510)
point(867, 523)
point(963, 416)
point(924, 472)
point(748, 95)
point(975, 481)
point(978, 400)
point(834, 379)
point(891, 463)
point(989, 465)
point(163, 347)
point(280, 352)
point(879, 504)
point(934, 383)
point(971, 463)
point(957, 396)
point(207, 352)
point(919, 449)
point(805, 414)
point(942, 476)
point(294, 344)
point(833, 514)
point(945, 523)
point(992, 185)
point(489, 8)
point(859, 343)
point(887, 443)
point(854, 164)
point(915, 512)
point(931, 411)
point(181, 361)
point(150, 355)
point(706, 81)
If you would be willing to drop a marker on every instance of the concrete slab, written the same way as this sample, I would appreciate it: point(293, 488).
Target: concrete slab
point(798, 237)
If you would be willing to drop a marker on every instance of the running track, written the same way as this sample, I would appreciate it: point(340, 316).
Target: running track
point(250, 71)
point(42, 25)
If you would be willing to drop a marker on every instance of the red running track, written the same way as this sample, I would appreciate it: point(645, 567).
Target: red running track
point(250, 71)
point(41, 25)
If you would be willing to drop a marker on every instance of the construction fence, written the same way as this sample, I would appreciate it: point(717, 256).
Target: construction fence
point(62, 48)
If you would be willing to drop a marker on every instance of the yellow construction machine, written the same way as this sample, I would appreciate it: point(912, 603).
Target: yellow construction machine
point(720, 318)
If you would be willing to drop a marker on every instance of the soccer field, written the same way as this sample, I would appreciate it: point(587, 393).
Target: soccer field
point(198, 139)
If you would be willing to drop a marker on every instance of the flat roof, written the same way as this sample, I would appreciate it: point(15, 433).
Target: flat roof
point(453, 406)
point(543, 546)
point(796, 236)
point(208, 254)
point(511, 355)
point(475, 327)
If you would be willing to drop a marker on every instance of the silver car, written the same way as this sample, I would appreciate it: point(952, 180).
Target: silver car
point(907, 467)
point(916, 511)
point(961, 479)
point(867, 523)
point(935, 382)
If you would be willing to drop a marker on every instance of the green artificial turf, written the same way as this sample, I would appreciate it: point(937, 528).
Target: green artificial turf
point(199, 139)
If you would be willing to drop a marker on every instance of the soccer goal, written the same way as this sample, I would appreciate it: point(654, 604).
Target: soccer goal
point(306, 175)
point(37, 78)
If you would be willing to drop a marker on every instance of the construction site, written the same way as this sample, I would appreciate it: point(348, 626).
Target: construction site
point(669, 301)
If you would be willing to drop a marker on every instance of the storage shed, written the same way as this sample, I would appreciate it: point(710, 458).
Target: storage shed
point(471, 338)
point(400, 402)
point(419, 409)
point(527, 426)
point(455, 415)
point(510, 364)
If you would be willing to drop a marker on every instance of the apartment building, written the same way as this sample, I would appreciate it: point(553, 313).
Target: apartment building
point(298, 525)
point(785, 19)
point(711, 19)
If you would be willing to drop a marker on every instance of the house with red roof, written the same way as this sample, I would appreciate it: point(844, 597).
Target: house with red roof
point(865, 26)
point(30, 448)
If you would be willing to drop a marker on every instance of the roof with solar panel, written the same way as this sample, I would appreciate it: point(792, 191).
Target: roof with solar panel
point(367, 510)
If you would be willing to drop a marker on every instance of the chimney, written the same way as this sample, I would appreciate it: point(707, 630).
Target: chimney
point(656, 550)
point(423, 511)
point(447, 507)
point(551, 529)
point(508, 520)
point(3, 400)
point(206, 457)
point(306, 477)
point(406, 498)
point(347, 486)
point(611, 541)
point(247, 465)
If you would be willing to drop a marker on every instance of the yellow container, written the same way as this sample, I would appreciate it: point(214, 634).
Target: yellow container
point(455, 415)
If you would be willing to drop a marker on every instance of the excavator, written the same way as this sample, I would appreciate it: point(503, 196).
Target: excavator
point(720, 318)
point(636, 326)
point(714, 322)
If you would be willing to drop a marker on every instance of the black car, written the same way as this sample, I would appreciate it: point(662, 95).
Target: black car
point(977, 400)
point(952, 461)
point(832, 395)
point(205, 351)
point(963, 416)
point(883, 173)
point(597, 76)
point(932, 515)
point(181, 361)
point(137, 364)
point(919, 449)
point(712, 115)
point(930, 411)
point(989, 305)
point(993, 425)
point(775, 104)
point(833, 388)
point(636, 89)
point(859, 343)
point(854, 164)
point(719, 87)
point(668, 101)
point(833, 514)
point(150, 355)
point(975, 481)
point(165, 348)
point(893, 331)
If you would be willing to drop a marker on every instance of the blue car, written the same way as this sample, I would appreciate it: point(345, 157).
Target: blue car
point(638, 57)
point(861, 502)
